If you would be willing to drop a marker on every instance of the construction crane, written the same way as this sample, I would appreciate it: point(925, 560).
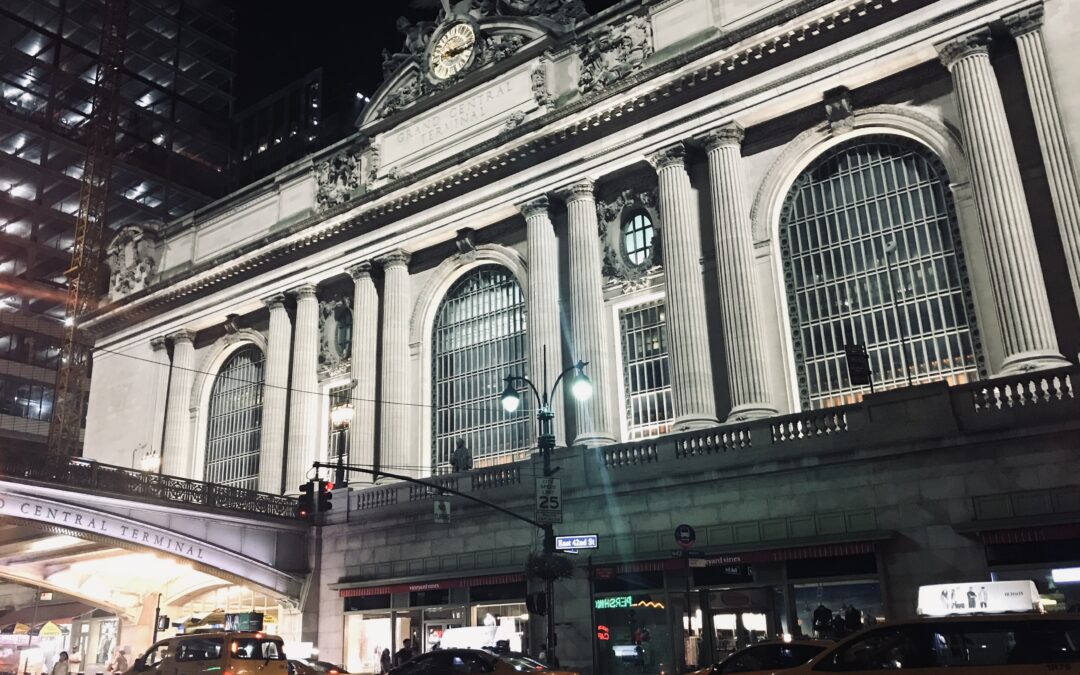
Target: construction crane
point(84, 276)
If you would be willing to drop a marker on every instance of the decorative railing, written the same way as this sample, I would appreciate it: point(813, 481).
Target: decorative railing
point(809, 424)
point(630, 455)
point(1026, 389)
point(418, 492)
point(85, 474)
point(712, 441)
point(496, 476)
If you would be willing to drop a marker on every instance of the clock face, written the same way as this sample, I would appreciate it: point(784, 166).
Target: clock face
point(452, 51)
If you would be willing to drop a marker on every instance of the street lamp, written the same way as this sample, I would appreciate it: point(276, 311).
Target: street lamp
point(340, 418)
point(582, 389)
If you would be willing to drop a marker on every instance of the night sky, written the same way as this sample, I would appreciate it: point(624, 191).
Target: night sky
point(276, 45)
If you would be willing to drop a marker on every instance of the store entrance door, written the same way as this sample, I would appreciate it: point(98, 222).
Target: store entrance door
point(739, 618)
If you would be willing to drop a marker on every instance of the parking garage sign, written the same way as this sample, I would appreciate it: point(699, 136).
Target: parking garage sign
point(548, 500)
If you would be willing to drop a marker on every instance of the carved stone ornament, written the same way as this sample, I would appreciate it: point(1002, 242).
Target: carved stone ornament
point(615, 55)
point(838, 110)
point(337, 179)
point(133, 257)
point(1025, 21)
point(563, 12)
point(972, 44)
point(335, 332)
point(611, 215)
point(543, 97)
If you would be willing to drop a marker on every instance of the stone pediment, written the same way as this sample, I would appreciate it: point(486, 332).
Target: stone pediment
point(410, 82)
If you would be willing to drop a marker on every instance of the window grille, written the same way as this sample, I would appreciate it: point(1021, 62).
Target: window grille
point(638, 238)
point(837, 221)
point(235, 420)
point(648, 408)
point(339, 436)
point(478, 339)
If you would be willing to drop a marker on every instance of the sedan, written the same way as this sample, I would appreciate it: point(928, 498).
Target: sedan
point(767, 657)
point(314, 668)
point(467, 661)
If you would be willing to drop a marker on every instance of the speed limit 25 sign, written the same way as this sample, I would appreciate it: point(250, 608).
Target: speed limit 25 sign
point(548, 500)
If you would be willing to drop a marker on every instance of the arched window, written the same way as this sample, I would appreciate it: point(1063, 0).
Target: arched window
point(478, 338)
point(871, 255)
point(235, 420)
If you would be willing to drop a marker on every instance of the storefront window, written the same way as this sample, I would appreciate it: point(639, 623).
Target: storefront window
point(836, 609)
point(633, 632)
point(740, 618)
point(366, 637)
point(106, 641)
point(507, 624)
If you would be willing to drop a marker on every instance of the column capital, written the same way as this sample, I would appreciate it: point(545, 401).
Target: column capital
point(972, 44)
point(275, 301)
point(303, 291)
point(1024, 21)
point(360, 270)
point(182, 335)
point(672, 155)
point(157, 343)
point(396, 258)
point(582, 189)
point(731, 133)
point(537, 206)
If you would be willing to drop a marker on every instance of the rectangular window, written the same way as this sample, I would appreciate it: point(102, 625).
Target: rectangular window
point(648, 409)
point(339, 427)
point(255, 648)
point(199, 649)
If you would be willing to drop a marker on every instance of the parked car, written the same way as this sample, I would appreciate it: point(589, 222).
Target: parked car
point(465, 661)
point(1007, 643)
point(237, 652)
point(767, 657)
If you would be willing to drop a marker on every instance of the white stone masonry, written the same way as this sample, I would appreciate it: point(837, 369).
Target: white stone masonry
point(543, 303)
point(687, 332)
point(1016, 276)
point(595, 424)
point(364, 352)
point(396, 451)
point(304, 396)
point(1026, 27)
point(275, 397)
point(176, 459)
point(744, 353)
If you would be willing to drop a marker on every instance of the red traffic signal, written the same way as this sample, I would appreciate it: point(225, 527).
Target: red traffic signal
point(305, 504)
point(326, 496)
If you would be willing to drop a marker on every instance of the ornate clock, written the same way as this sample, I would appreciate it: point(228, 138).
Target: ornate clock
point(452, 50)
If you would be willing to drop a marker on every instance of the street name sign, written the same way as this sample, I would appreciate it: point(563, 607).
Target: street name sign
point(548, 500)
point(576, 541)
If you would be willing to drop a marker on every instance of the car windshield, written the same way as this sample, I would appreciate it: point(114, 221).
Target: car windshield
point(522, 663)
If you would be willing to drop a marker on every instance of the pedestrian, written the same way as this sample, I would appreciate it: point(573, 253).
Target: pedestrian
point(61, 665)
point(405, 654)
point(385, 662)
point(541, 655)
point(120, 663)
point(461, 459)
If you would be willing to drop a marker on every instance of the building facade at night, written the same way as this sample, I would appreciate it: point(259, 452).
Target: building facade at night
point(706, 201)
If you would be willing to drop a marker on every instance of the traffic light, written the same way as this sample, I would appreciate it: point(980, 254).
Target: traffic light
point(536, 603)
point(305, 505)
point(326, 496)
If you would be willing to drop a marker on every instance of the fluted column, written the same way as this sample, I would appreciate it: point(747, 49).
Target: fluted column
point(595, 423)
point(1026, 27)
point(176, 459)
point(687, 333)
point(543, 318)
point(161, 394)
point(395, 440)
point(1019, 290)
point(304, 389)
point(744, 354)
point(364, 352)
point(275, 397)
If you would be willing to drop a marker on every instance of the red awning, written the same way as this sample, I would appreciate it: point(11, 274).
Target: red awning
point(489, 580)
point(1027, 535)
point(746, 557)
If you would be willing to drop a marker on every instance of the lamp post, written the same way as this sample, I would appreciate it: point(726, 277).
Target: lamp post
point(341, 418)
point(582, 390)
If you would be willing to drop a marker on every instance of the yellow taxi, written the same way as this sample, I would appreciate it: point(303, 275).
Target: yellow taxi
point(768, 657)
point(221, 653)
point(984, 644)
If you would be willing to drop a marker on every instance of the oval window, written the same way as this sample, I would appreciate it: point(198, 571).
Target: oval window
point(638, 238)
